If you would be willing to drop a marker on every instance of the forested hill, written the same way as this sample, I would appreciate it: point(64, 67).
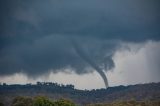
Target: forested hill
point(55, 91)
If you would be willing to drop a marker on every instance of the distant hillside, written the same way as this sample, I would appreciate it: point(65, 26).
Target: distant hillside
point(55, 91)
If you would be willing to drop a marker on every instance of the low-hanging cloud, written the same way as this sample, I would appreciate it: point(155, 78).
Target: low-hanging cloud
point(35, 35)
point(54, 52)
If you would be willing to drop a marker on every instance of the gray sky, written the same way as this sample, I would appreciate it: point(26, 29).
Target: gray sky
point(122, 38)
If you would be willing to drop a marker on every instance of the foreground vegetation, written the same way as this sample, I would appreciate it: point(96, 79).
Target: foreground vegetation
point(130, 103)
point(40, 101)
point(44, 101)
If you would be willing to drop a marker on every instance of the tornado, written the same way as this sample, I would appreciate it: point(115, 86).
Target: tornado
point(88, 59)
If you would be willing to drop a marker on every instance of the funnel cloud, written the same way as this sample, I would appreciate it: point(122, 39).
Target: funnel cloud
point(90, 61)
point(35, 35)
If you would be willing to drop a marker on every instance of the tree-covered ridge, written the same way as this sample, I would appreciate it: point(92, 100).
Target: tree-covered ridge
point(56, 91)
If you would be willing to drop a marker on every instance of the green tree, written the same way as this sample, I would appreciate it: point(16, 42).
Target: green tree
point(42, 101)
point(64, 102)
point(22, 101)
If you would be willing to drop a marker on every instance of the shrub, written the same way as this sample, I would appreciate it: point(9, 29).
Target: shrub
point(64, 102)
point(42, 101)
point(39, 101)
point(22, 101)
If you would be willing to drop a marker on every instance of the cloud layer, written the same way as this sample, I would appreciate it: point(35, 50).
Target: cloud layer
point(35, 35)
point(134, 61)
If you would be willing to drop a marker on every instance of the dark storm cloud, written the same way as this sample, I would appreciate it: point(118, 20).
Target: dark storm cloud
point(51, 52)
point(35, 35)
